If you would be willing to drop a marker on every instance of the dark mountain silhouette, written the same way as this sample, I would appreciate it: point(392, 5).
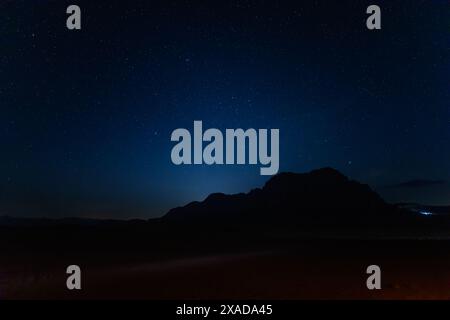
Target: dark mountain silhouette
point(323, 196)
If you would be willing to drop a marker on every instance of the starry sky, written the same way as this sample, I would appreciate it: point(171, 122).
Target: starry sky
point(86, 116)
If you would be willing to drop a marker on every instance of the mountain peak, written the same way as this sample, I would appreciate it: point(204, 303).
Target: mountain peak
point(325, 175)
point(324, 195)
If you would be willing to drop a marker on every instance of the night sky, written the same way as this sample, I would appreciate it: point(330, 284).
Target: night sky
point(86, 116)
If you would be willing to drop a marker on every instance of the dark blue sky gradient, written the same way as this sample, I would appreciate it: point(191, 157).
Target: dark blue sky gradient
point(86, 116)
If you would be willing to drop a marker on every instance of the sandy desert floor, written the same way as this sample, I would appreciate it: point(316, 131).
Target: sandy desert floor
point(325, 269)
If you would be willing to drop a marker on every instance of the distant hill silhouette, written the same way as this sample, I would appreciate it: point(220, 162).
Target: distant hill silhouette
point(8, 221)
point(323, 196)
point(317, 198)
point(418, 183)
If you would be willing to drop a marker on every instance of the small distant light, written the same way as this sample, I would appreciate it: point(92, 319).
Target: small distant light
point(426, 213)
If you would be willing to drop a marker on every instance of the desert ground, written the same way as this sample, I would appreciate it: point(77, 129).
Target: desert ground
point(230, 268)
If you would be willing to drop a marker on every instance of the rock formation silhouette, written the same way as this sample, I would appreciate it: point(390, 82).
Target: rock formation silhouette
point(323, 196)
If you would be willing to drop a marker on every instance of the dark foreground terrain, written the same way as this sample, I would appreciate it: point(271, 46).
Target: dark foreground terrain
point(142, 261)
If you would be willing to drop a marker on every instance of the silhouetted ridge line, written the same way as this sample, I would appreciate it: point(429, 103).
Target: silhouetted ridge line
point(323, 196)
